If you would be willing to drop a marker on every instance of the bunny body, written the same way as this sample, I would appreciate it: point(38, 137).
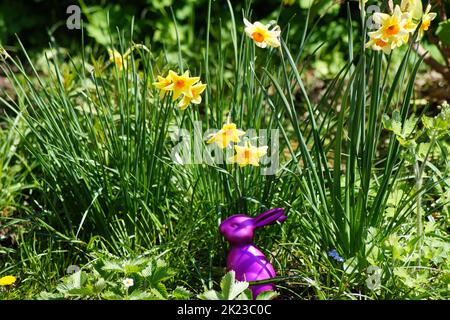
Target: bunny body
point(248, 262)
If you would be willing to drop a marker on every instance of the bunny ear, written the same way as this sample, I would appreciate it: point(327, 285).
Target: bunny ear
point(270, 217)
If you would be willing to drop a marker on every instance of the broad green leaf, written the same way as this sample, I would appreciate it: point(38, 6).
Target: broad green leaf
point(84, 291)
point(160, 274)
point(397, 252)
point(109, 295)
point(406, 142)
point(409, 126)
point(423, 150)
point(445, 110)
point(441, 123)
point(156, 272)
point(181, 293)
point(160, 291)
point(230, 287)
point(387, 122)
point(443, 32)
point(147, 271)
point(267, 295)
point(430, 226)
point(100, 285)
point(140, 295)
point(395, 197)
point(210, 295)
point(350, 265)
point(75, 280)
point(130, 268)
point(49, 296)
point(401, 272)
point(112, 266)
point(246, 295)
point(428, 122)
point(392, 124)
point(372, 255)
point(390, 212)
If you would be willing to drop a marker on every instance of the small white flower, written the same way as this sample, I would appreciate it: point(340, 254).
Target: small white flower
point(128, 282)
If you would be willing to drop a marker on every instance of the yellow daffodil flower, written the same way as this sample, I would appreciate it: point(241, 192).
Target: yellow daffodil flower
point(409, 25)
point(196, 96)
point(262, 35)
point(164, 85)
point(182, 84)
point(226, 135)
point(392, 28)
point(426, 20)
point(248, 155)
point(118, 59)
point(379, 44)
point(7, 281)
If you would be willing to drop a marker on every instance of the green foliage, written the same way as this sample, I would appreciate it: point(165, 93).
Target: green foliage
point(231, 289)
point(419, 276)
point(438, 126)
point(104, 279)
point(15, 170)
point(401, 131)
point(443, 32)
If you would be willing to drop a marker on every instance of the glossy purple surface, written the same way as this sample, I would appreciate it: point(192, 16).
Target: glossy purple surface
point(247, 261)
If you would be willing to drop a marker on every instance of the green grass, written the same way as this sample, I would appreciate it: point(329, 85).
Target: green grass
point(100, 140)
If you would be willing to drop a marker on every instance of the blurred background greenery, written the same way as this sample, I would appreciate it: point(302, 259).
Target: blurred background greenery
point(38, 22)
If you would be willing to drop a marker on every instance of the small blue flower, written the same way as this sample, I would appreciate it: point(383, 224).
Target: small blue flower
point(333, 254)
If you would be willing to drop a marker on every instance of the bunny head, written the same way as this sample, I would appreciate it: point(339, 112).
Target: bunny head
point(239, 228)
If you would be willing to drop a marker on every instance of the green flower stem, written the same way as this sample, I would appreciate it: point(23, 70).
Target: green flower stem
point(419, 225)
point(419, 170)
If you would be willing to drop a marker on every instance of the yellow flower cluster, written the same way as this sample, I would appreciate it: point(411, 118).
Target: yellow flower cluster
point(394, 30)
point(245, 155)
point(7, 280)
point(248, 154)
point(189, 88)
point(229, 133)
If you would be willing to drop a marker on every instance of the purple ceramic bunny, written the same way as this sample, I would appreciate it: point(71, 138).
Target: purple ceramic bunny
point(247, 261)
